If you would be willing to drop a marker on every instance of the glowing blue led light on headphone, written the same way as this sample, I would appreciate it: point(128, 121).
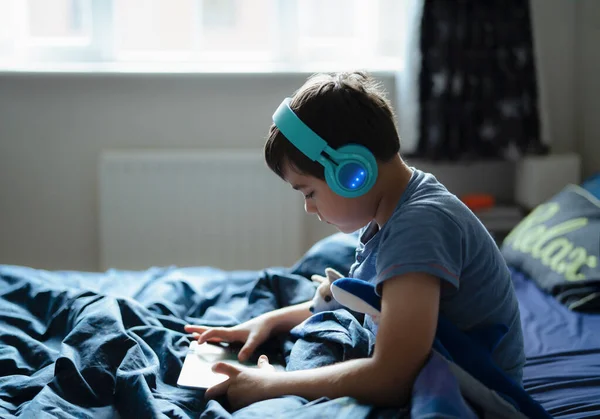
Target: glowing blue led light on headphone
point(350, 170)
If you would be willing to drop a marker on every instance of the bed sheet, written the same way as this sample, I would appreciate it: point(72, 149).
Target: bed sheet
point(563, 353)
point(105, 345)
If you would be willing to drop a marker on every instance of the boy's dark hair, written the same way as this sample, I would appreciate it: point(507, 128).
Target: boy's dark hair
point(342, 108)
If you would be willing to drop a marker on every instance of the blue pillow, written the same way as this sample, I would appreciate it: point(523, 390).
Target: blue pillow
point(592, 185)
point(336, 251)
point(558, 246)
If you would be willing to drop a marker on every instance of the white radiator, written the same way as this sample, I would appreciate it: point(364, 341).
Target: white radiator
point(196, 208)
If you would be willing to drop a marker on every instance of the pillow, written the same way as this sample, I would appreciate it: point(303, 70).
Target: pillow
point(558, 246)
point(336, 251)
point(592, 185)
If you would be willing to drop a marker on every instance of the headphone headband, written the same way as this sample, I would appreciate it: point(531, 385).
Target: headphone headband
point(350, 171)
point(297, 132)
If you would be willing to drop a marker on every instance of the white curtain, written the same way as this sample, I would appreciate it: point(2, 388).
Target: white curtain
point(407, 78)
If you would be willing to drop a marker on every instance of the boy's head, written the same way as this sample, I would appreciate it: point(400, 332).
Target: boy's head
point(342, 108)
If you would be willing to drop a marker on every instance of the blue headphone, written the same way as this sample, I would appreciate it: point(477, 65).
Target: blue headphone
point(350, 171)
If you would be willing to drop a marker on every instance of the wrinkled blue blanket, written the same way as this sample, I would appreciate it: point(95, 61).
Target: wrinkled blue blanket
point(104, 345)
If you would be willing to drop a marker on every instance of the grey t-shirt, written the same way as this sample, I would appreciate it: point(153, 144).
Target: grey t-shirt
point(432, 231)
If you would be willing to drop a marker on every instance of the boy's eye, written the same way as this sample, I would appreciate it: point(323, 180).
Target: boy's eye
point(309, 195)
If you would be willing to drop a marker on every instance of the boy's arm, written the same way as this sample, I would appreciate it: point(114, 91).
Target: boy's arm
point(409, 313)
point(285, 319)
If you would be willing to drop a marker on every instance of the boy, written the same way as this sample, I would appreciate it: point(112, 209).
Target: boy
point(424, 250)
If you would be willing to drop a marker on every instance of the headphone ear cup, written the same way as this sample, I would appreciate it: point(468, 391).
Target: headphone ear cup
point(361, 154)
point(361, 157)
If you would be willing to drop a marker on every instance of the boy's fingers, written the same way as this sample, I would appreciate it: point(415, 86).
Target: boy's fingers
point(225, 368)
point(215, 335)
point(217, 390)
point(263, 363)
point(198, 335)
point(248, 348)
point(190, 328)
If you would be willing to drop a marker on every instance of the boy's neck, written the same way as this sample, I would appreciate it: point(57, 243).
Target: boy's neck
point(392, 181)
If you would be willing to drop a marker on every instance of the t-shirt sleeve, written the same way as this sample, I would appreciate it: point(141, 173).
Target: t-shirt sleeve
point(421, 239)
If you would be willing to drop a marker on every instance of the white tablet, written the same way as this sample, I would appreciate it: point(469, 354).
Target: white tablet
point(197, 366)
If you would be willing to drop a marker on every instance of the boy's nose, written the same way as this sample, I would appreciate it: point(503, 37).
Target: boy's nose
point(309, 207)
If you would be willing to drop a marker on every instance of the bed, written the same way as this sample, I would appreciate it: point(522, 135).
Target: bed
point(563, 353)
point(111, 344)
point(103, 345)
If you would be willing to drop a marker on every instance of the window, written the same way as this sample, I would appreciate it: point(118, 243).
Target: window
point(273, 34)
point(193, 30)
point(64, 19)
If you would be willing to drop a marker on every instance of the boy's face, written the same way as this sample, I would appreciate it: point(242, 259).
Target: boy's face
point(346, 214)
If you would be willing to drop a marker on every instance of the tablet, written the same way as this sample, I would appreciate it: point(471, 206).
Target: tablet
point(197, 366)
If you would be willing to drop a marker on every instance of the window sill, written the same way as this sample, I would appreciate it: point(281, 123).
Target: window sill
point(381, 67)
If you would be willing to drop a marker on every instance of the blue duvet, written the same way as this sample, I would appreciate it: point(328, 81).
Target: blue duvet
point(105, 345)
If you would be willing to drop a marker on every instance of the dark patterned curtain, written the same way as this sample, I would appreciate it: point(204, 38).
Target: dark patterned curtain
point(478, 94)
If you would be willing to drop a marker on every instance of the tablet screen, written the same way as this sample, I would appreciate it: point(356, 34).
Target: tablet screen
point(197, 366)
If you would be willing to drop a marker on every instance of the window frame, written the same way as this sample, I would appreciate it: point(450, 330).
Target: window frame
point(93, 48)
point(100, 52)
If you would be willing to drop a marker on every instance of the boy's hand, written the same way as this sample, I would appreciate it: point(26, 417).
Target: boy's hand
point(245, 385)
point(251, 333)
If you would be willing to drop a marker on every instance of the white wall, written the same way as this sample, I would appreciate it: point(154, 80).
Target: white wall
point(567, 34)
point(554, 23)
point(53, 127)
point(587, 83)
